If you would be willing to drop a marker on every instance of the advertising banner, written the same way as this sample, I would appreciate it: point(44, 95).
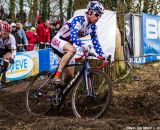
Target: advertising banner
point(150, 34)
point(137, 42)
point(48, 61)
point(142, 60)
point(25, 64)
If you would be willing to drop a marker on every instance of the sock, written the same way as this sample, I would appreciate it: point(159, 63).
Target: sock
point(58, 74)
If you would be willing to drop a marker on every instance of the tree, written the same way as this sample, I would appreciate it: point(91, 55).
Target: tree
point(44, 4)
point(12, 10)
point(21, 16)
point(79, 4)
point(61, 10)
point(69, 9)
point(33, 11)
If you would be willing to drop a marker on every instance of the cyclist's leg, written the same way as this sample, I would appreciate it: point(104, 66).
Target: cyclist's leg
point(65, 48)
point(68, 74)
point(70, 51)
point(7, 56)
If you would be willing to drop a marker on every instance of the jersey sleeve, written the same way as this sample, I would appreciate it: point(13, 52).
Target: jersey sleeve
point(13, 45)
point(95, 41)
point(76, 25)
point(12, 42)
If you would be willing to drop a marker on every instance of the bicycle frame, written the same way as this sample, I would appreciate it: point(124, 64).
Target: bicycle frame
point(84, 71)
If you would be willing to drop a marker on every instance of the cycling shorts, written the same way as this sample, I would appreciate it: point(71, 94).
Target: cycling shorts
point(57, 45)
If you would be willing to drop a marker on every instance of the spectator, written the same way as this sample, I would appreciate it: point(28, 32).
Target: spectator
point(58, 25)
point(39, 19)
point(32, 38)
point(53, 30)
point(43, 33)
point(14, 32)
point(22, 35)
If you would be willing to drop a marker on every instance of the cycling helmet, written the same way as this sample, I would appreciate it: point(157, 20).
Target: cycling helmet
point(4, 26)
point(96, 7)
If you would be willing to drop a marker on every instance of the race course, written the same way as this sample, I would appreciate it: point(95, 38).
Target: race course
point(132, 106)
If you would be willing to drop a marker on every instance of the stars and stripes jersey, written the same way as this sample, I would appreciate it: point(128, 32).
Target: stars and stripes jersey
point(77, 27)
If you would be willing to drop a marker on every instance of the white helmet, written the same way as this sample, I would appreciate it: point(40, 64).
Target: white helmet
point(96, 7)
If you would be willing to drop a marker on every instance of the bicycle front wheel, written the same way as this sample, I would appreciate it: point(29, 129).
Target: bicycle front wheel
point(39, 93)
point(92, 105)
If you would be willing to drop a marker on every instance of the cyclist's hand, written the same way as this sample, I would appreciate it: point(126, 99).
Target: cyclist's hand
point(85, 49)
point(107, 58)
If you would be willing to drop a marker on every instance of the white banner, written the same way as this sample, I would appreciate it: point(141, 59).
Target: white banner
point(106, 31)
point(137, 35)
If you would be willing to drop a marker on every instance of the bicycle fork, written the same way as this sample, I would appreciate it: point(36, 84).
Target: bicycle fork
point(88, 82)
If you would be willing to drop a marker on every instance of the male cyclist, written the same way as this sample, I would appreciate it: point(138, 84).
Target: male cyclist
point(69, 34)
point(7, 48)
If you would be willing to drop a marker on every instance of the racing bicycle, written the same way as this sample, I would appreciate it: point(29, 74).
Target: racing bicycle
point(91, 91)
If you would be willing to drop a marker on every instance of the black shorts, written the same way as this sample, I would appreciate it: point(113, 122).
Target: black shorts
point(56, 51)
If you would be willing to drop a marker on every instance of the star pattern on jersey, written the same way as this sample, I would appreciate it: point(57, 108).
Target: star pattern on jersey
point(76, 25)
point(95, 41)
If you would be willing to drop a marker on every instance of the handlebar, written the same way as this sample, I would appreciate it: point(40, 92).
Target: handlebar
point(90, 54)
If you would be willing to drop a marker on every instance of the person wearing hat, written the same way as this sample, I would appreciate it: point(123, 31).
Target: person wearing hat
point(7, 49)
point(14, 32)
point(32, 38)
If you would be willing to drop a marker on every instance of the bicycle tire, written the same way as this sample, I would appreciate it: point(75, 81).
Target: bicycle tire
point(103, 95)
point(39, 92)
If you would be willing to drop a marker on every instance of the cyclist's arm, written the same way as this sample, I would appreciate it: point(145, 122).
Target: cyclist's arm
point(75, 27)
point(95, 42)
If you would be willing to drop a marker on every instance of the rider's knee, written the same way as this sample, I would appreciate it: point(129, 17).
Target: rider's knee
point(72, 51)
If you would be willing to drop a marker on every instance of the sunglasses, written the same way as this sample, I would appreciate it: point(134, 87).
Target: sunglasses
point(98, 15)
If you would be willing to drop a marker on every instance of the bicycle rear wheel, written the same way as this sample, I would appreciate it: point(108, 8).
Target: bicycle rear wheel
point(39, 93)
point(93, 105)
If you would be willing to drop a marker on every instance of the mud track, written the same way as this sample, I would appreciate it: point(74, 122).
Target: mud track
point(132, 106)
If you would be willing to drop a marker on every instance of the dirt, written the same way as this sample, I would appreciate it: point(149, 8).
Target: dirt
point(135, 105)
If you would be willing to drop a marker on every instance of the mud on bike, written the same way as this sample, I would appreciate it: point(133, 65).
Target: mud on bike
point(91, 91)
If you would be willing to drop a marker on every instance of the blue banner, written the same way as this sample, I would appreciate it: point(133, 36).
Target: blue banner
point(142, 60)
point(150, 34)
point(48, 61)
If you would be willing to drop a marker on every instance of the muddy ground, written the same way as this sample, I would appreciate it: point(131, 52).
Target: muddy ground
point(133, 106)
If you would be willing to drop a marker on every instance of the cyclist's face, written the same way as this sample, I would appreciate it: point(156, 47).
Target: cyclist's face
point(94, 17)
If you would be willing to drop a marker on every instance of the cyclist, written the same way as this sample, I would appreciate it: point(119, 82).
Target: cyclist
point(69, 34)
point(7, 48)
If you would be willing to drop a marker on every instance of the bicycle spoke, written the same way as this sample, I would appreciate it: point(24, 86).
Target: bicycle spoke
point(94, 104)
point(39, 94)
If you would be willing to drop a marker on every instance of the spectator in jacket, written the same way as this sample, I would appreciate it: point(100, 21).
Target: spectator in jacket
point(14, 32)
point(32, 38)
point(53, 30)
point(22, 34)
point(43, 32)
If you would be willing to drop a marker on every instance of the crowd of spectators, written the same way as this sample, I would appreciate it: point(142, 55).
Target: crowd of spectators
point(34, 37)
